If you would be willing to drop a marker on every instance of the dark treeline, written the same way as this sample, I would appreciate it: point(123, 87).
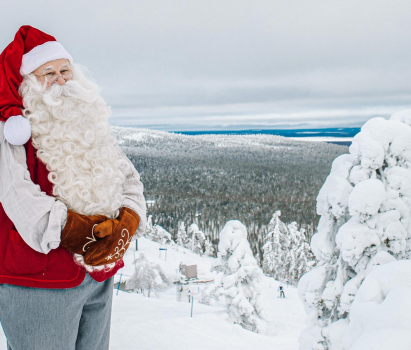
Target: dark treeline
point(211, 179)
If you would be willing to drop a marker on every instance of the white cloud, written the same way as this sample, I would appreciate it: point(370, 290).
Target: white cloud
point(319, 55)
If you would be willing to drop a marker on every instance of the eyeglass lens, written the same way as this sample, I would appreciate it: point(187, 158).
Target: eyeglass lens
point(54, 78)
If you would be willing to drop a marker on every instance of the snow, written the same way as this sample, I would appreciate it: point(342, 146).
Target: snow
point(380, 316)
point(367, 150)
point(402, 116)
point(310, 288)
point(352, 239)
point(334, 194)
point(366, 198)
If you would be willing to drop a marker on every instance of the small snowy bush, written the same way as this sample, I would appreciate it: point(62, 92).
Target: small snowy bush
point(365, 207)
point(162, 236)
point(236, 284)
point(148, 276)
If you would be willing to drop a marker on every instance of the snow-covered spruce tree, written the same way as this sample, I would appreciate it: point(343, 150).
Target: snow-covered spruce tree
point(236, 284)
point(148, 276)
point(365, 207)
point(275, 248)
point(300, 256)
point(209, 249)
point(305, 257)
point(295, 241)
point(181, 234)
point(150, 232)
point(197, 239)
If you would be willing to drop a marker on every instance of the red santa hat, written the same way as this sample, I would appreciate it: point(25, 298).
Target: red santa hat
point(30, 49)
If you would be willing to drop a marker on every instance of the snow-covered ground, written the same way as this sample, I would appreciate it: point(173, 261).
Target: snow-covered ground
point(164, 323)
point(143, 323)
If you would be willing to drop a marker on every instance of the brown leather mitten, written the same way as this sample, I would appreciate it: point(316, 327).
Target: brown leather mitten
point(115, 237)
point(77, 235)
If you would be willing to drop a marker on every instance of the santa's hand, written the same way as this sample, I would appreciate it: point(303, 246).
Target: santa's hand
point(116, 235)
point(77, 235)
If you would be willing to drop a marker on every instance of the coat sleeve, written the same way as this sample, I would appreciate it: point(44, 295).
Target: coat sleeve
point(133, 195)
point(37, 217)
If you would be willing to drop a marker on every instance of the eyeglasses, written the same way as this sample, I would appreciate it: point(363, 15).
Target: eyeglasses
point(52, 78)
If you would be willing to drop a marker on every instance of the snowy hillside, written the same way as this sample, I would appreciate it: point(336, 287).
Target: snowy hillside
point(164, 323)
point(143, 323)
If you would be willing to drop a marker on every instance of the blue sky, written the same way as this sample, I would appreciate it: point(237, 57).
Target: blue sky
point(229, 64)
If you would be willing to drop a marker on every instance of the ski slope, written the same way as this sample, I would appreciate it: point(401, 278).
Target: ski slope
point(143, 323)
point(163, 323)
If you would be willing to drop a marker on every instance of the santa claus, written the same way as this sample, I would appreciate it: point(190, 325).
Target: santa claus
point(70, 200)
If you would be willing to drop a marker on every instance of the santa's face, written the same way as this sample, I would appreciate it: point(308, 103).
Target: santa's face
point(72, 136)
point(54, 72)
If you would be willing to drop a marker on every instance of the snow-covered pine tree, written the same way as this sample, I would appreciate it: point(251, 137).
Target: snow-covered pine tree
point(197, 239)
point(365, 207)
point(181, 234)
point(148, 276)
point(276, 249)
point(150, 232)
point(209, 249)
point(304, 257)
point(236, 284)
point(295, 241)
point(300, 256)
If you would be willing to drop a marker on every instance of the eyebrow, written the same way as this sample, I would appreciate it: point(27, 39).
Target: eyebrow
point(52, 68)
point(48, 68)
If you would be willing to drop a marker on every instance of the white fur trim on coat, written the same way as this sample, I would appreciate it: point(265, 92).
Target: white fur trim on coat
point(41, 54)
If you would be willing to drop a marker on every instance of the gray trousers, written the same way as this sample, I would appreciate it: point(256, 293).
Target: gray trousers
point(57, 319)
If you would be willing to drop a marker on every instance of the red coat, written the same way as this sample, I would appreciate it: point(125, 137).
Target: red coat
point(22, 266)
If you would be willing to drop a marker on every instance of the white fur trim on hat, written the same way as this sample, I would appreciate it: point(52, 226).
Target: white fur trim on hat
point(41, 54)
point(17, 130)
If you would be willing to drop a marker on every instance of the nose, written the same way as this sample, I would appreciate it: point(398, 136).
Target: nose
point(60, 80)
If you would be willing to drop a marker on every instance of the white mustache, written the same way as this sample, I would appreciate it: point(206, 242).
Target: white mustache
point(54, 95)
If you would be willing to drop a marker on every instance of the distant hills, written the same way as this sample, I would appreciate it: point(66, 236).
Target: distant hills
point(328, 132)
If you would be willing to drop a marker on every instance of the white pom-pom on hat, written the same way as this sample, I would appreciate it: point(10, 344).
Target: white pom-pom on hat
point(17, 130)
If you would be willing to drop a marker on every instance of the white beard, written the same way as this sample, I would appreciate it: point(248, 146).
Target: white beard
point(73, 138)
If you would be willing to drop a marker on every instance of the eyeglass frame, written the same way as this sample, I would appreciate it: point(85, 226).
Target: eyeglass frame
point(56, 77)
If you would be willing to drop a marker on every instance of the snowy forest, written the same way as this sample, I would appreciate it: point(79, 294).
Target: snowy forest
point(210, 179)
